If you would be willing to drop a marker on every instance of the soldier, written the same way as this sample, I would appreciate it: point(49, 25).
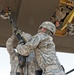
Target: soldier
point(60, 14)
point(14, 60)
point(14, 57)
point(44, 49)
point(29, 67)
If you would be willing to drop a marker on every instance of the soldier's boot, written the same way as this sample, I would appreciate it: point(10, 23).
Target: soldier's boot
point(17, 73)
point(38, 72)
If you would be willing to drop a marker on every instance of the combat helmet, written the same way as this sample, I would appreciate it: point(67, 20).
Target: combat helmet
point(49, 25)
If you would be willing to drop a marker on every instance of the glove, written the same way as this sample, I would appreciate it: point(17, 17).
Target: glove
point(4, 14)
point(21, 42)
point(16, 31)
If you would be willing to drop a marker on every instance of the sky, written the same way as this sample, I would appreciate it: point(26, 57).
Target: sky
point(66, 59)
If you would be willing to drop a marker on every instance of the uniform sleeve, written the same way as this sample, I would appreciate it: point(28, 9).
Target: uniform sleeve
point(29, 46)
point(26, 36)
point(9, 45)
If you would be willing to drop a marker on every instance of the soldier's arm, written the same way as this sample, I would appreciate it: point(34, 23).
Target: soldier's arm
point(27, 48)
point(9, 45)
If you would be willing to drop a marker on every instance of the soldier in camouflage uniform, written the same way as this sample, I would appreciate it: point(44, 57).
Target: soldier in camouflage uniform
point(44, 49)
point(60, 14)
point(29, 68)
point(14, 60)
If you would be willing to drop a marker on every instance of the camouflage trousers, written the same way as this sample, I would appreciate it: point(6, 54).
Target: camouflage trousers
point(29, 69)
point(53, 70)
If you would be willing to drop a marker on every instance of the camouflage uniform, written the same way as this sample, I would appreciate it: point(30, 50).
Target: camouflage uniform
point(14, 61)
point(29, 68)
point(44, 49)
point(31, 64)
point(71, 0)
point(60, 13)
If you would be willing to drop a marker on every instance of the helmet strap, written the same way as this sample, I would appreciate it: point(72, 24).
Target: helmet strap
point(49, 32)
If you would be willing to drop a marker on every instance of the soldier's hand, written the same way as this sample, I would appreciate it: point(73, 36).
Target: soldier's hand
point(5, 14)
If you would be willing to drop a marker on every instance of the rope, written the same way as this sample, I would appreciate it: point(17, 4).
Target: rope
point(70, 71)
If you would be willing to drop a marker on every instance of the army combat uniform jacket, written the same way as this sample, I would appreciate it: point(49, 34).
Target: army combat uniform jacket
point(14, 61)
point(44, 49)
